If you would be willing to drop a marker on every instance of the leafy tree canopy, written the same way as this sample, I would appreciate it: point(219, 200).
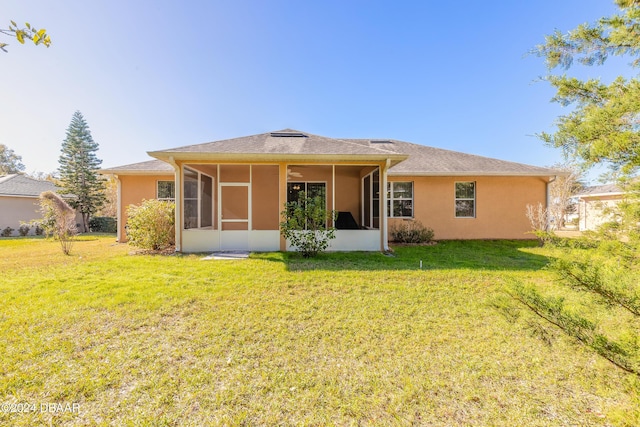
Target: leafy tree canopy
point(28, 32)
point(604, 126)
point(10, 162)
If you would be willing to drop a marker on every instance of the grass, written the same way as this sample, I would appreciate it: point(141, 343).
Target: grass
point(345, 339)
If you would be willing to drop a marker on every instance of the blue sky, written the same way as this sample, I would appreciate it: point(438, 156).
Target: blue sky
point(156, 74)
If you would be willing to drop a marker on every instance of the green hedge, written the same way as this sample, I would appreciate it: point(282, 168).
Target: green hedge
point(103, 224)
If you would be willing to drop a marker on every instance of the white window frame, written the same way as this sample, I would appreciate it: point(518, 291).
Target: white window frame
point(171, 199)
point(456, 198)
point(198, 198)
point(391, 199)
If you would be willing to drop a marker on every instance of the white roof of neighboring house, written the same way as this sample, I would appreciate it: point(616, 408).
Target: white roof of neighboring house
point(23, 186)
point(600, 190)
point(408, 159)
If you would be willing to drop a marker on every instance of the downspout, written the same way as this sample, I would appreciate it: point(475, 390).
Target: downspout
point(119, 224)
point(548, 198)
point(178, 194)
point(383, 203)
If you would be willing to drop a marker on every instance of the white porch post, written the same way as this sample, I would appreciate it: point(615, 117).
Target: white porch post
point(384, 238)
point(178, 201)
point(333, 193)
point(119, 208)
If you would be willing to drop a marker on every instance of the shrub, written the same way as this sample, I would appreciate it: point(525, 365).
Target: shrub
point(6, 232)
point(152, 224)
point(411, 232)
point(305, 224)
point(103, 224)
point(24, 228)
point(38, 229)
point(541, 221)
point(59, 219)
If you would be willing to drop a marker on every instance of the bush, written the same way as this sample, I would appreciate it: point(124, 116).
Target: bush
point(6, 232)
point(103, 224)
point(59, 220)
point(411, 232)
point(24, 228)
point(152, 224)
point(38, 229)
point(305, 225)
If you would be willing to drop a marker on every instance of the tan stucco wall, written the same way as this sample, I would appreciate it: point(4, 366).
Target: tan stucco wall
point(500, 201)
point(500, 206)
point(134, 189)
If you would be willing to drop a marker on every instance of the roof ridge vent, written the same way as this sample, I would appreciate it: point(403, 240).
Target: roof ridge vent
point(381, 141)
point(288, 134)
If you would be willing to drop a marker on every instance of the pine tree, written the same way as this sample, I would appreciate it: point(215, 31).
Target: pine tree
point(79, 170)
point(600, 274)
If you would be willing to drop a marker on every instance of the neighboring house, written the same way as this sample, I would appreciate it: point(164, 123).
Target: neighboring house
point(229, 193)
point(597, 204)
point(19, 200)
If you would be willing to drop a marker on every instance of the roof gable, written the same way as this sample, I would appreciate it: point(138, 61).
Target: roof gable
point(284, 142)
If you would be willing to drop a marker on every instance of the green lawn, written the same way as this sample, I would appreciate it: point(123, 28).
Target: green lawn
point(346, 339)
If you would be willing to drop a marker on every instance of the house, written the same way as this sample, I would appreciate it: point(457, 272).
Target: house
point(229, 193)
point(597, 205)
point(19, 200)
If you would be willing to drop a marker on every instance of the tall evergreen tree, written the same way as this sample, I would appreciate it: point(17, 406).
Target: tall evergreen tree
point(79, 170)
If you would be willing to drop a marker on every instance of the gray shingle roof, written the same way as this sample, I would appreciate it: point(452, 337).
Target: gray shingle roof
point(422, 160)
point(23, 186)
point(148, 167)
point(266, 143)
point(429, 161)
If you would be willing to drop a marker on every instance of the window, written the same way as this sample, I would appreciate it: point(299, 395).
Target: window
point(465, 199)
point(198, 199)
point(166, 190)
point(371, 200)
point(400, 195)
point(313, 189)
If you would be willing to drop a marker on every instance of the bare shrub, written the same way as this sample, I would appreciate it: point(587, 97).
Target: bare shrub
point(59, 220)
point(541, 222)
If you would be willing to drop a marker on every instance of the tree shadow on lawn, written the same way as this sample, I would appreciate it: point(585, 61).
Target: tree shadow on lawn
point(445, 255)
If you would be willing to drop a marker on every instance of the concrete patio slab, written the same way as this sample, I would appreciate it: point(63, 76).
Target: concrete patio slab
point(227, 255)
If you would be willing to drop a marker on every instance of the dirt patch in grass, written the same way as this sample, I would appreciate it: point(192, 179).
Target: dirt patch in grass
point(171, 250)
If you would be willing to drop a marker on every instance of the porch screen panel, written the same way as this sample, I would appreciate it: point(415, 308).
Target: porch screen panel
point(234, 173)
point(237, 226)
point(375, 205)
point(206, 201)
point(235, 202)
point(190, 199)
point(367, 200)
point(265, 194)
